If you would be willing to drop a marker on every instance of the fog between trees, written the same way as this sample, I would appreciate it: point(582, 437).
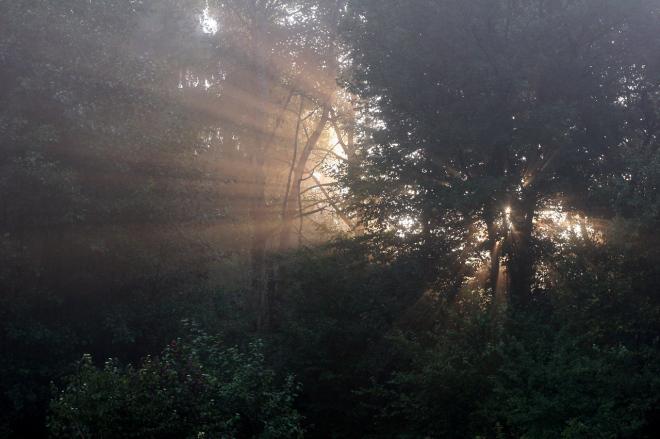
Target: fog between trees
point(330, 218)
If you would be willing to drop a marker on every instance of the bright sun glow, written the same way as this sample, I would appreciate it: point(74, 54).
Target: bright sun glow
point(209, 24)
point(555, 223)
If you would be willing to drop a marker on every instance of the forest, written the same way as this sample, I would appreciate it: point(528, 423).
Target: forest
point(403, 219)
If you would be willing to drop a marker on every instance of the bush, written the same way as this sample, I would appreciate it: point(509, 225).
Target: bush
point(195, 389)
point(557, 385)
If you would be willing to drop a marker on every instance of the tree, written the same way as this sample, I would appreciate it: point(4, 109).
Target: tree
point(275, 56)
point(489, 109)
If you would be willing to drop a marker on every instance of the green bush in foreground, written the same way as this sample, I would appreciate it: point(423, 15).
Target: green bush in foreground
point(194, 389)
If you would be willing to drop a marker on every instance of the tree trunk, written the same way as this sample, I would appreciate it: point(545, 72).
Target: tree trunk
point(521, 257)
point(258, 210)
point(292, 204)
point(492, 208)
point(494, 249)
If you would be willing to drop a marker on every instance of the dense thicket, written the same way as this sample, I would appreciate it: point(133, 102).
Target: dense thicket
point(370, 218)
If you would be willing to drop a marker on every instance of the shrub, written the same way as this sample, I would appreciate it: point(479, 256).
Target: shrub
point(195, 389)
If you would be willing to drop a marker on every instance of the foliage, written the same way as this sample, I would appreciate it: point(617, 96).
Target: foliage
point(334, 305)
point(490, 105)
point(153, 152)
point(556, 385)
point(441, 377)
point(195, 388)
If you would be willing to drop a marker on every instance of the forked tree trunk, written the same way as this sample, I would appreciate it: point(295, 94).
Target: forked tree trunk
point(292, 199)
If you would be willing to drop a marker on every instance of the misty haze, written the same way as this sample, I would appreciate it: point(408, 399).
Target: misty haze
point(274, 219)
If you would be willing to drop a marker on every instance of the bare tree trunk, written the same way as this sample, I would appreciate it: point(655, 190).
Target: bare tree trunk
point(257, 205)
point(292, 168)
point(258, 254)
point(292, 204)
